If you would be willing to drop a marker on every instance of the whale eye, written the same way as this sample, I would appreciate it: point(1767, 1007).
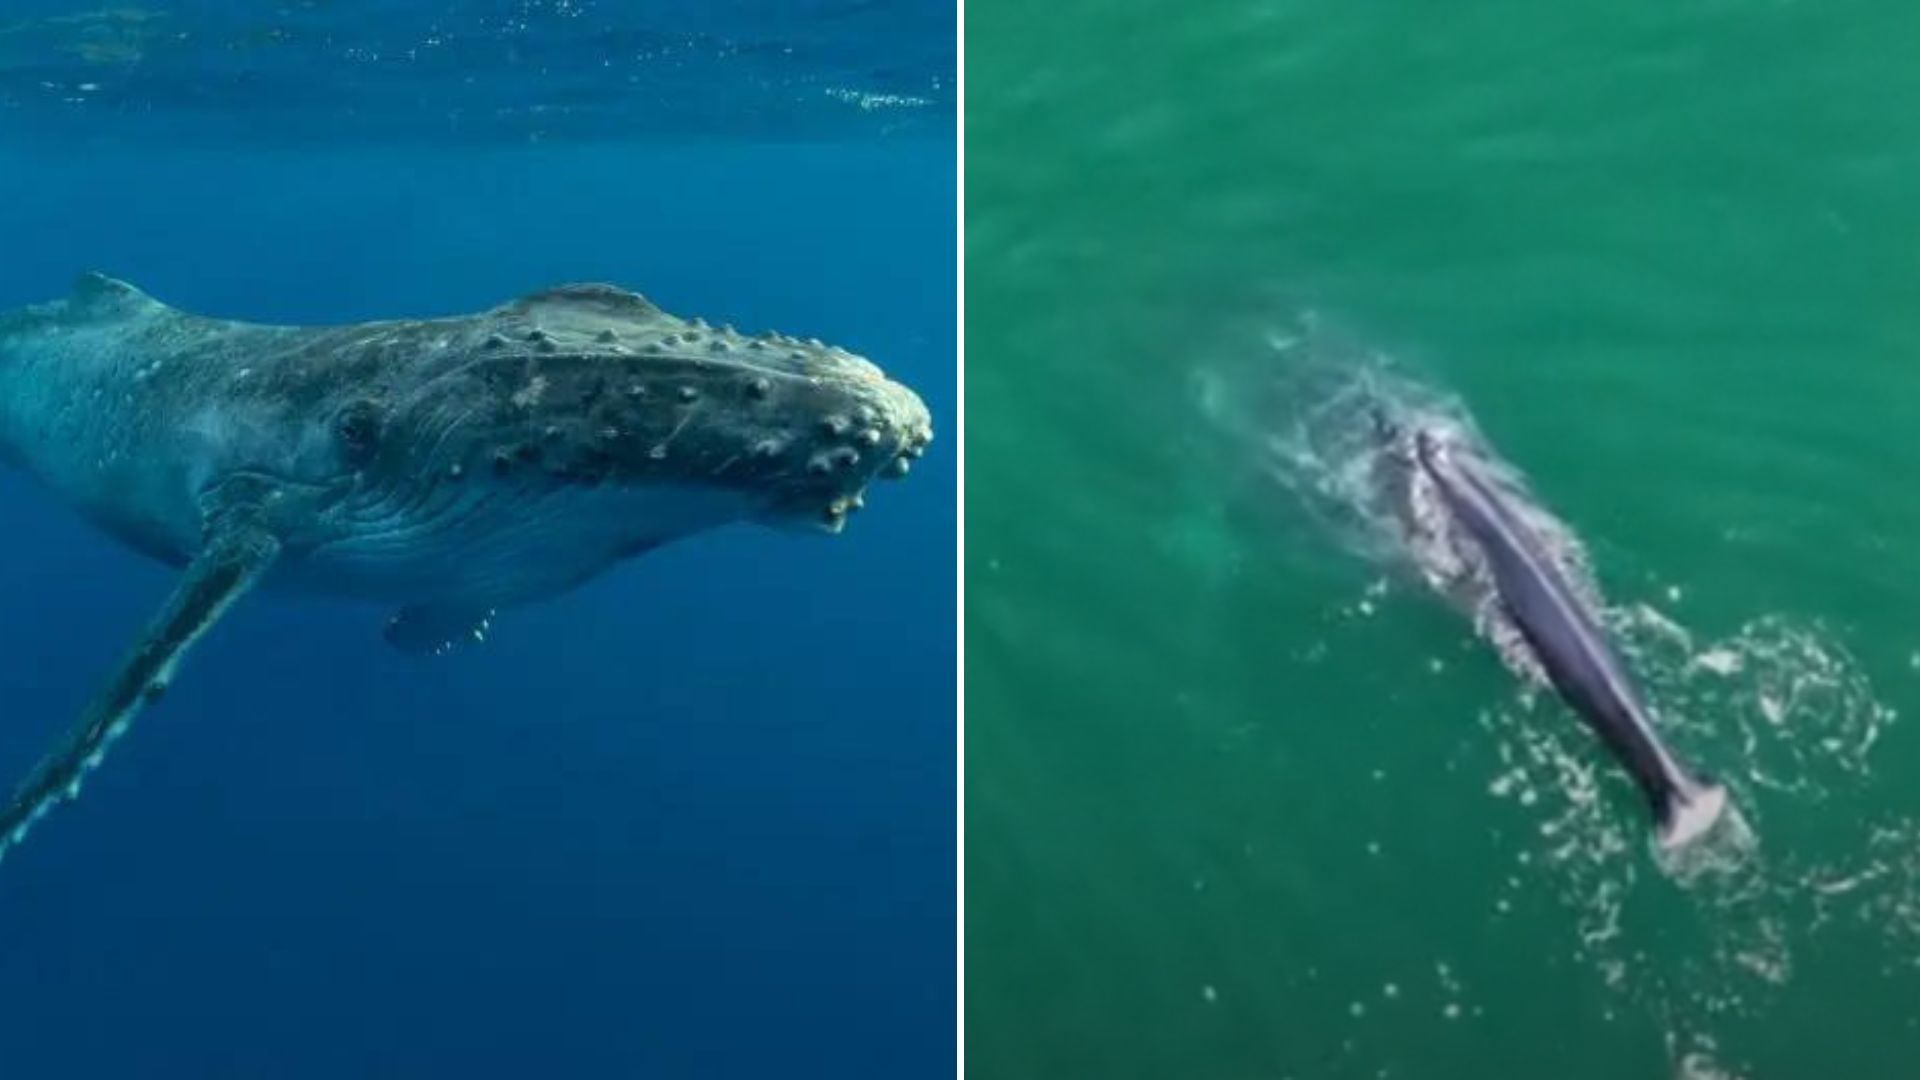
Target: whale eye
point(358, 429)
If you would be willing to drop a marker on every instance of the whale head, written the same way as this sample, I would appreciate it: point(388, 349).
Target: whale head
point(588, 424)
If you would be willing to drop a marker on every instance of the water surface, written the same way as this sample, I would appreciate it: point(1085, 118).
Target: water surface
point(695, 819)
point(1240, 803)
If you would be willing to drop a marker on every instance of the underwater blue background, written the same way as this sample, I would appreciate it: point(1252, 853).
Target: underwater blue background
point(694, 819)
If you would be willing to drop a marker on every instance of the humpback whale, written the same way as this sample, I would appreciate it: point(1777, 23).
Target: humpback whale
point(445, 467)
point(1566, 640)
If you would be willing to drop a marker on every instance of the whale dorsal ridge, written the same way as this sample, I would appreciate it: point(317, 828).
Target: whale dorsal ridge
point(595, 297)
point(96, 290)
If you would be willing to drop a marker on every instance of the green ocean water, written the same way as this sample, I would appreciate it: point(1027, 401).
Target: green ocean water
point(1241, 802)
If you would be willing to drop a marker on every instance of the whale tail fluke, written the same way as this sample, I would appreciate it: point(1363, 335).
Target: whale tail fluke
point(1688, 812)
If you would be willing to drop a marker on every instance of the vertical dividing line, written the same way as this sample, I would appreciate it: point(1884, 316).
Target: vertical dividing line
point(960, 540)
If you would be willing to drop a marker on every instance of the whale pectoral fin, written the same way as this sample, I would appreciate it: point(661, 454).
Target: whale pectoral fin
point(437, 629)
point(233, 560)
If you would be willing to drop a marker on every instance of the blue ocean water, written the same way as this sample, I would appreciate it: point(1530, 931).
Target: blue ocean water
point(694, 819)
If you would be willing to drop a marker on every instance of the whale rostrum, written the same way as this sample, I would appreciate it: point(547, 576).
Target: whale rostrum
point(1567, 641)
